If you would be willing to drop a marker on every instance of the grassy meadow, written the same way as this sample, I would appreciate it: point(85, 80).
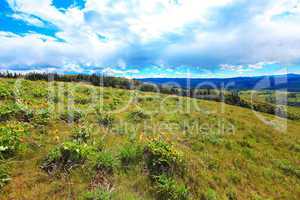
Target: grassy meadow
point(78, 141)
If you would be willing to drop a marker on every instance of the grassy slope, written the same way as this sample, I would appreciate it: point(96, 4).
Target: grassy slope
point(255, 162)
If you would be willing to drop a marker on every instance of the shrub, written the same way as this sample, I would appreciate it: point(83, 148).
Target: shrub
point(105, 119)
point(288, 168)
point(5, 93)
point(70, 116)
point(210, 195)
point(98, 194)
point(4, 176)
point(41, 117)
point(166, 188)
point(13, 110)
point(82, 100)
point(10, 142)
point(162, 158)
point(105, 161)
point(66, 156)
point(81, 134)
point(130, 154)
point(138, 116)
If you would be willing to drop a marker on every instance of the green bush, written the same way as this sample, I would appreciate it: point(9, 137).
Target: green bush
point(10, 142)
point(210, 195)
point(4, 176)
point(137, 116)
point(161, 158)
point(71, 116)
point(66, 156)
point(105, 161)
point(13, 110)
point(82, 100)
point(130, 154)
point(41, 117)
point(288, 168)
point(81, 134)
point(167, 189)
point(5, 93)
point(98, 194)
point(105, 119)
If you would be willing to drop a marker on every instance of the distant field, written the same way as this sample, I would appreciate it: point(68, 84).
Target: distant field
point(77, 141)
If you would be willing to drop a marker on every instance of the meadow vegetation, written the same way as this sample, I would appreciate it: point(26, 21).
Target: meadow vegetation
point(111, 143)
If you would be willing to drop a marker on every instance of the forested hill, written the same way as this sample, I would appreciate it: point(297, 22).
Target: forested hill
point(289, 81)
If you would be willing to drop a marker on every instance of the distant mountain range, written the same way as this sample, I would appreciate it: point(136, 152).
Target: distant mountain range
point(290, 82)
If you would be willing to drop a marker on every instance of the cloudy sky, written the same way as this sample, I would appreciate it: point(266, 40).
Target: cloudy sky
point(151, 38)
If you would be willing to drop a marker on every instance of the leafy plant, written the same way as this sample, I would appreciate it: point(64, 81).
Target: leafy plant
point(167, 188)
point(210, 195)
point(81, 134)
point(105, 119)
point(5, 93)
point(138, 116)
point(41, 117)
point(4, 176)
point(130, 154)
point(105, 161)
point(98, 194)
point(162, 157)
point(69, 116)
point(66, 156)
point(10, 142)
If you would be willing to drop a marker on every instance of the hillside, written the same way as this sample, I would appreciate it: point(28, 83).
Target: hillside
point(291, 82)
point(132, 145)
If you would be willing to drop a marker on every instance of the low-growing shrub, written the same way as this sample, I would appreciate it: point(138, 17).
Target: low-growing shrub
point(137, 116)
point(105, 161)
point(105, 119)
point(82, 100)
point(97, 194)
point(167, 188)
point(130, 154)
point(210, 195)
point(4, 176)
point(161, 157)
point(71, 116)
point(10, 142)
point(13, 110)
point(41, 117)
point(66, 156)
point(81, 134)
point(288, 168)
point(5, 93)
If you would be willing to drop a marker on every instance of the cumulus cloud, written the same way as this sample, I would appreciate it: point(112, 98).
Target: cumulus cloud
point(111, 36)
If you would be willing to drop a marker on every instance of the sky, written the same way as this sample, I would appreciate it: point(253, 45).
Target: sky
point(151, 38)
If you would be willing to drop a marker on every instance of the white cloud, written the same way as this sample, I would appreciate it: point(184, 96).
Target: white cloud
point(156, 32)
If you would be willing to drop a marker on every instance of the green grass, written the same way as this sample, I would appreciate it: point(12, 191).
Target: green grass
point(140, 146)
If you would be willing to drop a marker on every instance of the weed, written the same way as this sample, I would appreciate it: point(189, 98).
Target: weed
point(70, 116)
point(130, 154)
point(81, 134)
point(105, 119)
point(41, 117)
point(288, 168)
point(161, 158)
point(4, 176)
point(167, 188)
point(97, 194)
point(210, 195)
point(10, 142)
point(66, 156)
point(137, 116)
point(105, 161)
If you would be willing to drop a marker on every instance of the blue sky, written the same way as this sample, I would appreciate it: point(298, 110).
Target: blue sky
point(151, 38)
